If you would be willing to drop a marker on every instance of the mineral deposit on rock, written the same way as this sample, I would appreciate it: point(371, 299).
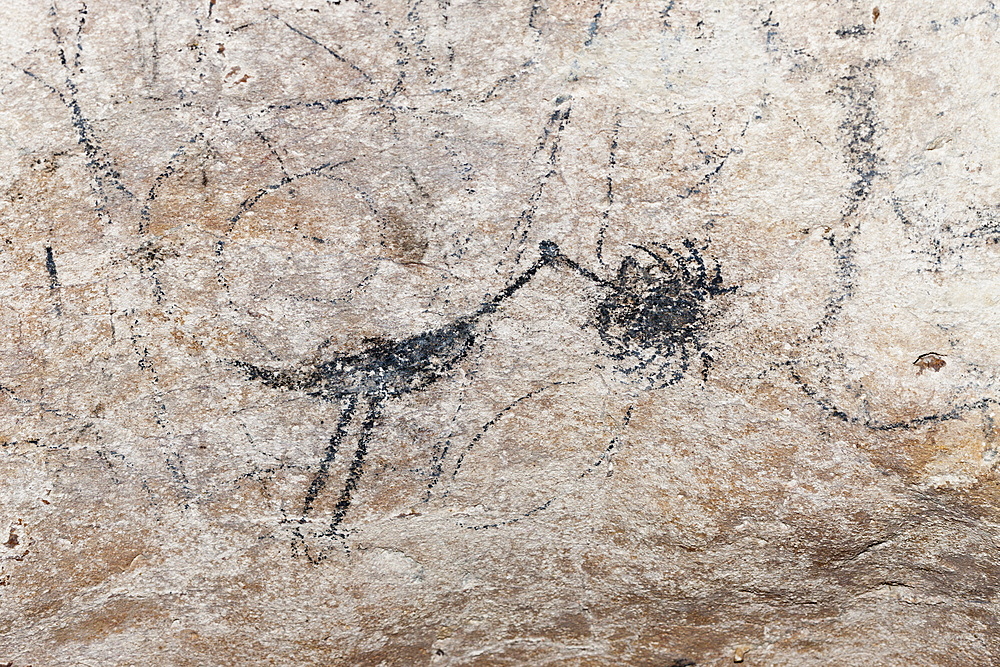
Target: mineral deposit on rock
point(499, 332)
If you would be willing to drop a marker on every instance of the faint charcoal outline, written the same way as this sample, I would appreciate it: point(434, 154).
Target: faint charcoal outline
point(605, 456)
point(861, 126)
point(651, 317)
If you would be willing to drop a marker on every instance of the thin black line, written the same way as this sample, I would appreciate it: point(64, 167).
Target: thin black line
point(329, 50)
point(251, 201)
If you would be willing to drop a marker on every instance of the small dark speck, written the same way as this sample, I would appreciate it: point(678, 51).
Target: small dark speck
point(853, 31)
point(12, 540)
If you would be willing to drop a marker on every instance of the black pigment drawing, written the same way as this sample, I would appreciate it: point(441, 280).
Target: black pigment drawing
point(653, 315)
point(650, 319)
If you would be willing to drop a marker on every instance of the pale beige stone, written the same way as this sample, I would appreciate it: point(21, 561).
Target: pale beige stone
point(631, 302)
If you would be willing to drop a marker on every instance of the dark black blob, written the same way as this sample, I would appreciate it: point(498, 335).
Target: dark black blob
point(384, 369)
point(654, 312)
point(548, 249)
point(392, 368)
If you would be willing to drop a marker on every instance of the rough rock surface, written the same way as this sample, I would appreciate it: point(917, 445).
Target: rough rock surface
point(499, 333)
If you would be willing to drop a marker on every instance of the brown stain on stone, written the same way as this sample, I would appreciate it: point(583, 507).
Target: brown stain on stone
point(312, 213)
point(951, 447)
point(203, 186)
point(12, 540)
point(394, 653)
point(186, 197)
point(569, 626)
point(403, 238)
point(68, 553)
point(68, 575)
point(50, 187)
point(931, 360)
point(659, 632)
point(113, 617)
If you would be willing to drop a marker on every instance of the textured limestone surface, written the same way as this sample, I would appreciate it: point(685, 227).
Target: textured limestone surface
point(482, 332)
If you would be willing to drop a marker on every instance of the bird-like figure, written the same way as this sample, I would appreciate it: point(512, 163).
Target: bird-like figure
point(645, 313)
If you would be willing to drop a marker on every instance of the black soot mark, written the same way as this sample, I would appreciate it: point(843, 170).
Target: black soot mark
point(654, 315)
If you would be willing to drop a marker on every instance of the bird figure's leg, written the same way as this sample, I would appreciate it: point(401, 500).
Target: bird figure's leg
point(356, 467)
point(347, 408)
point(319, 481)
